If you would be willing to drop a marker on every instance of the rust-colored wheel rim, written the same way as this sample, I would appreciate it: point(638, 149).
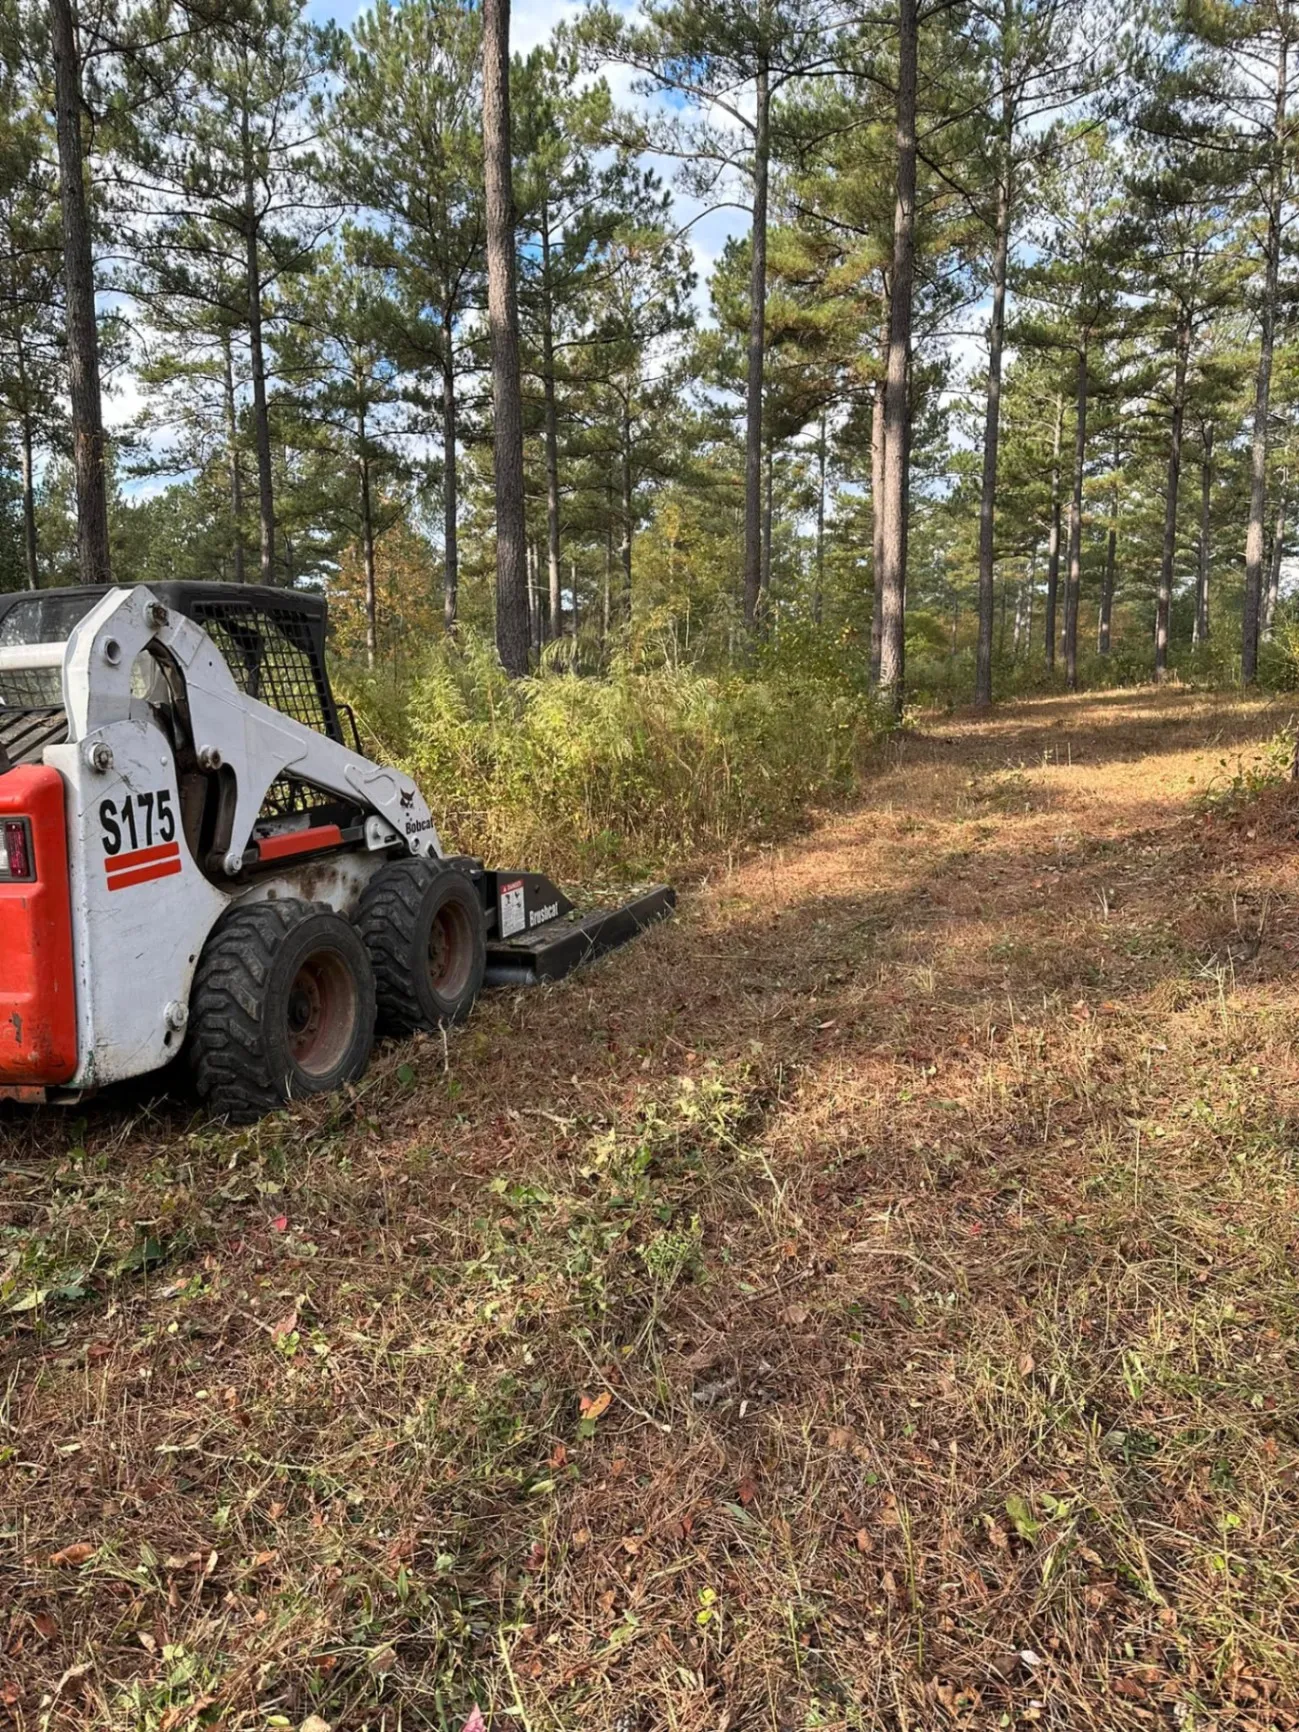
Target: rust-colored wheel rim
point(322, 1013)
point(450, 950)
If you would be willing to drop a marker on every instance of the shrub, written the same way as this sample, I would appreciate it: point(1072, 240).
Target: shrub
point(615, 777)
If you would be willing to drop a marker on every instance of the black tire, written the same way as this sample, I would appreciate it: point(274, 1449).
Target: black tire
point(422, 923)
point(282, 1006)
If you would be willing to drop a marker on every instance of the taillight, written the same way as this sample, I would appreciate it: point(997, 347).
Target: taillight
point(16, 858)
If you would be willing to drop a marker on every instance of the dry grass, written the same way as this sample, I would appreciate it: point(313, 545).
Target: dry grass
point(870, 1302)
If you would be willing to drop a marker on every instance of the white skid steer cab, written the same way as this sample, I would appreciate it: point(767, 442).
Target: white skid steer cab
point(196, 857)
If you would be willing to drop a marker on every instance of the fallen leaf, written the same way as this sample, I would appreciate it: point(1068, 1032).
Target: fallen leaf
point(1027, 1365)
point(746, 1492)
point(591, 1407)
point(475, 1722)
point(1130, 1688)
point(863, 1540)
point(183, 1711)
point(313, 1723)
point(796, 1315)
point(559, 1455)
point(73, 1675)
point(996, 1533)
point(74, 1555)
point(280, 1223)
point(285, 1326)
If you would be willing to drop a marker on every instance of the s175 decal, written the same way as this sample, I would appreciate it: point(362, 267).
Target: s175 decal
point(139, 837)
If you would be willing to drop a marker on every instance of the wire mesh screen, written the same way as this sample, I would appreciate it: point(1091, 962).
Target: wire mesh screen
point(272, 653)
point(31, 688)
point(287, 796)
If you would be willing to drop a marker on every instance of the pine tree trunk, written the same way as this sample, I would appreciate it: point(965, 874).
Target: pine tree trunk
point(819, 593)
point(1263, 382)
point(1032, 600)
point(1274, 566)
point(606, 598)
point(79, 299)
point(1201, 630)
point(767, 513)
point(1053, 539)
point(503, 320)
point(534, 600)
point(257, 353)
point(552, 435)
point(367, 549)
point(627, 502)
point(897, 407)
point(757, 347)
point(232, 461)
point(450, 479)
point(1105, 624)
point(991, 435)
point(1073, 588)
point(877, 529)
point(1163, 604)
point(31, 560)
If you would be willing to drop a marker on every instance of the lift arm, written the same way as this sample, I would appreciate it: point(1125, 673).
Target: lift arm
point(253, 741)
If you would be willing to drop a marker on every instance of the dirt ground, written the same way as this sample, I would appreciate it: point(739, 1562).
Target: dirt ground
point(869, 1301)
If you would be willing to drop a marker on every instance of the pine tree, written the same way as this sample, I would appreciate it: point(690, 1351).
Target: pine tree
point(223, 186)
point(30, 288)
point(571, 206)
point(343, 390)
point(512, 629)
point(404, 130)
point(712, 54)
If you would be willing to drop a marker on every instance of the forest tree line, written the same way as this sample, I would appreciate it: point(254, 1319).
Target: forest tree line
point(998, 376)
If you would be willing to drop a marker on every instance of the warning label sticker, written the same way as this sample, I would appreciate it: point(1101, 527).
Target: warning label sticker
point(512, 916)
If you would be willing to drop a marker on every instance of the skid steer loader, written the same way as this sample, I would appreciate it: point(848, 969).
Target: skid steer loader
point(197, 857)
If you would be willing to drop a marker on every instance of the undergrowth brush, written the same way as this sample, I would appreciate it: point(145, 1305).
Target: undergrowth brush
point(615, 777)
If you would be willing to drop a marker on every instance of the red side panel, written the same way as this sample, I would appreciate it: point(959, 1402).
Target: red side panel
point(38, 1012)
point(300, 842)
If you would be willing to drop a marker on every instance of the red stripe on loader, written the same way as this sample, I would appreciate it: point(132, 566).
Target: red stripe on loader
point(138, 857)
point(146, 874)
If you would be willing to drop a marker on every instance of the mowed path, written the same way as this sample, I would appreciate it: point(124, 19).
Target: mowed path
point(868, 1302)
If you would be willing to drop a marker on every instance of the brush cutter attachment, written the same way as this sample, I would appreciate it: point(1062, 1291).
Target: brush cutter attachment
point(535, 934)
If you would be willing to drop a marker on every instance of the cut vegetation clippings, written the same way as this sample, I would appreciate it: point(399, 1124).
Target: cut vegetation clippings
point(870, 1302)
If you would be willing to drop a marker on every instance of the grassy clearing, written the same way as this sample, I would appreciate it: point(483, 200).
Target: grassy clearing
point(870, 1302)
